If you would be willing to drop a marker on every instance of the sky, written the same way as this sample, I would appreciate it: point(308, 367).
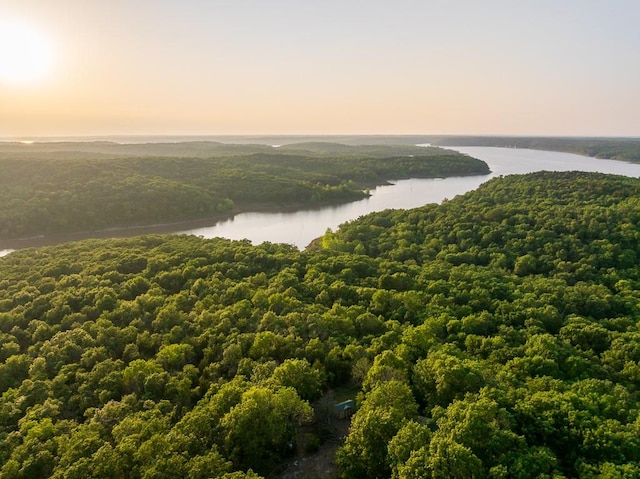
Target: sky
point(229, 67)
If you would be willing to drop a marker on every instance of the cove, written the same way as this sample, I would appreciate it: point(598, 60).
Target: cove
point(301, 227)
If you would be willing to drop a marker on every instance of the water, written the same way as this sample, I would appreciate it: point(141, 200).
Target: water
point(301, 227)
point(506, 161)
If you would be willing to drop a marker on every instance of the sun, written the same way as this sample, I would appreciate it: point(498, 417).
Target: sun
point(26, 55)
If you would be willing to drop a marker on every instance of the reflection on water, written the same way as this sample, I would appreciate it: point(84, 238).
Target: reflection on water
point(301, 227)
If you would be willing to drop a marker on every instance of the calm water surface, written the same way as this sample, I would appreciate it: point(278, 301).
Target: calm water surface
point(301, 227)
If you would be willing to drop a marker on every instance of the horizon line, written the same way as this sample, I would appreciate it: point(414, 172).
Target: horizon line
point(81, 137)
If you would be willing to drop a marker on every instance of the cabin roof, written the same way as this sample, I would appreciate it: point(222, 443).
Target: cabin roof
point(344, 405)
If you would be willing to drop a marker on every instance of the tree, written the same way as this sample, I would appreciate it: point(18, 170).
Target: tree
point(447, 460)
point(387, 366)
point(443, 376)
point(261, 428)
point(298, 374)
point(384, 411)
point(410, 438)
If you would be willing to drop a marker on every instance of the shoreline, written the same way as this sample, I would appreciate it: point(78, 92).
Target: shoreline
point(11, 244)
point(174, 227)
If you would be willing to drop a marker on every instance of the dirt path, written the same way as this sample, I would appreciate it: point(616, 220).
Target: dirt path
point(321, 463)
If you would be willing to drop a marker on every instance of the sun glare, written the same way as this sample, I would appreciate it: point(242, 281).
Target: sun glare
point(25, 55)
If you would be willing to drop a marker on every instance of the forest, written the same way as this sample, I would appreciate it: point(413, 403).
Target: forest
point(492, 336)
point(54, 188)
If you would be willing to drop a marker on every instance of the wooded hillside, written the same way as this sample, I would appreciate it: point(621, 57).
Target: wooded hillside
point(493, 336)
point(57, 188)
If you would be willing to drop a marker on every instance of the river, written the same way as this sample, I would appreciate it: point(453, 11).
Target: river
point(301, 227)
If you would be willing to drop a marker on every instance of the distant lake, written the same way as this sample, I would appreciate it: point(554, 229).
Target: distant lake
point(301, 227)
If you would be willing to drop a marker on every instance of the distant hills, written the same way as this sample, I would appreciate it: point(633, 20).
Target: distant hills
point(617, 148)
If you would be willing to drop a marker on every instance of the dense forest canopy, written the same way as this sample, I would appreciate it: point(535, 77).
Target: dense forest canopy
point(493, 336)
point(69, 187)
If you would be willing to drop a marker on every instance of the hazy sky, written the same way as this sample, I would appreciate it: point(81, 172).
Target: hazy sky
point(544, 67)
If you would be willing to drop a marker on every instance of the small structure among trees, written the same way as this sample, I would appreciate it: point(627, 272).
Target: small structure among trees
point(345, 409)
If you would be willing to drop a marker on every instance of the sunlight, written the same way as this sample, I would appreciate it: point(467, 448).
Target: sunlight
point(25, 55)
